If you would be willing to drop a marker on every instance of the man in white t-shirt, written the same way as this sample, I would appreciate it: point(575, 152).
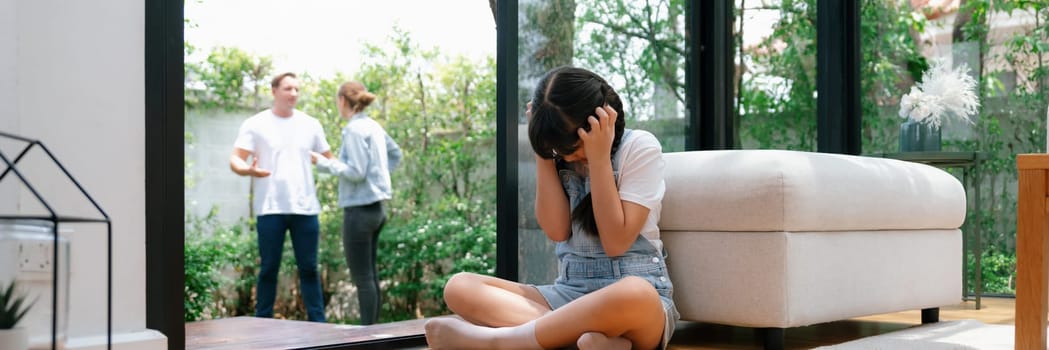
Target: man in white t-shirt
point(280, 140)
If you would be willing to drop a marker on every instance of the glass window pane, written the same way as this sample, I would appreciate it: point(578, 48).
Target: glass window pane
point(637, 45)
point(893, 60)
point(1001, 48)
point(776, 74)
point(435, 96)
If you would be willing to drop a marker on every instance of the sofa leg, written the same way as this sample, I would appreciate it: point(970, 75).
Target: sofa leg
point(931, 315)
point(773, 338)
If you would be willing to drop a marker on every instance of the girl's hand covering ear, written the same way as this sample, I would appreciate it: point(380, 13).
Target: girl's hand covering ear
point(598, 141)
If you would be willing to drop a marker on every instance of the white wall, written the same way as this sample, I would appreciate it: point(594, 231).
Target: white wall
point(7, 90)
point(72, 75)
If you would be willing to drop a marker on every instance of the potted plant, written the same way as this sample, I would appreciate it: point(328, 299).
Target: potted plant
point(943, 93)
point(12, 308)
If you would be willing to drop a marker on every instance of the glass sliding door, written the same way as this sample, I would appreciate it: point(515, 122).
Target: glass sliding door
point(1001, 47)
point(776, 74)
point(639, 46)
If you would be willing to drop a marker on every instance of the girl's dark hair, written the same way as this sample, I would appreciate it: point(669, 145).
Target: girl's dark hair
point(561, 103)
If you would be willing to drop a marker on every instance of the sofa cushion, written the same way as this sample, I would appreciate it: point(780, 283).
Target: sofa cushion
point(791, 279)
point(775, 190)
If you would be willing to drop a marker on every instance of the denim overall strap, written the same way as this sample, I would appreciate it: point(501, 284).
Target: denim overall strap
point(581, 243)
point(583, 266)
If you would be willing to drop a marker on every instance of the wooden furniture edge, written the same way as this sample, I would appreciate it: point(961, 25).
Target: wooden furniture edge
point(1032, 161)
point(1032, 251)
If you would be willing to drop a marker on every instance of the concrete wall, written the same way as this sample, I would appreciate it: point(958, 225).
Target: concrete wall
point(211, 183)
point(72, 75)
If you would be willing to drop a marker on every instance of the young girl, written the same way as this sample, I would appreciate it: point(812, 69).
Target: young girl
point(598, 194)
point(366, 157)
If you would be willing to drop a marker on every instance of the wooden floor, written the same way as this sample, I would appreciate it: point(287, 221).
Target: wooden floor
point(266, 333)
point(256, 333)
point(696, 336)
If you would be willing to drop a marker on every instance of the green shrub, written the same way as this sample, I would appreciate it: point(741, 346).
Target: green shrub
point(219, 268)
point(417, 257)
point(998, 273)
point(201, 278)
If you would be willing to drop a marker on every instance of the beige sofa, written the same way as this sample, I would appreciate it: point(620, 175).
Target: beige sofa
point(779, 239)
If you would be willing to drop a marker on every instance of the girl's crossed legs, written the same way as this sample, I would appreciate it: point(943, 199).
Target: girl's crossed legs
point(509, 315)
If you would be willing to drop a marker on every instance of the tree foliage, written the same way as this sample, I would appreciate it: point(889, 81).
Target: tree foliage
point(892, 62)
point(640, 43)
point(229, 78)
point(777, 102)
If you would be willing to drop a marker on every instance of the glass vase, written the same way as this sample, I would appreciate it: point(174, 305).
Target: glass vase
point(27, 251)
point(919, 137)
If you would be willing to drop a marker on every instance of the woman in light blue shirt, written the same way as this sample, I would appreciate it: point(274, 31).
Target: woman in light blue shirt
point(365, 159)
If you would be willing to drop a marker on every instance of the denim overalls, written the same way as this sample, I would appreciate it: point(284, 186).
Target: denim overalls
point(583, 266)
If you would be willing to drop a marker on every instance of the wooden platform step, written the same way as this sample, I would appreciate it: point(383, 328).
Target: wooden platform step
point(261, 333)
point(267, 333)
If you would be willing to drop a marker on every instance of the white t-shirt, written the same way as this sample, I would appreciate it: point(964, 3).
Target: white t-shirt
point(282, 147)
point(640, 164)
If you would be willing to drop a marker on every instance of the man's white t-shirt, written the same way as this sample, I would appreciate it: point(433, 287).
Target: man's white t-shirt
point(640, 165)
point(282, 147)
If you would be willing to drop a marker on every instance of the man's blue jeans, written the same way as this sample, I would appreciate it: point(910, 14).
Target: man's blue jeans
point(305, 237)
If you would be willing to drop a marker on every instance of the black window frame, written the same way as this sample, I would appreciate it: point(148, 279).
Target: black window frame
point(164, 187)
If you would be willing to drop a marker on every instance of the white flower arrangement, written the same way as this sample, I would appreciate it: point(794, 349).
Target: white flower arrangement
point(943, 92)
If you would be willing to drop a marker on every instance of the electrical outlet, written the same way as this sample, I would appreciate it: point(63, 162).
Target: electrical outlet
point(35, 257)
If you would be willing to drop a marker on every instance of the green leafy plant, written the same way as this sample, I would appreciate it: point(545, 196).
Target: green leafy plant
point(220, 262)
point(418, 256)
point(12, 306)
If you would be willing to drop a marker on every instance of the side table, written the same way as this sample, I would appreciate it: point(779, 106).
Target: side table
point(969, 162)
